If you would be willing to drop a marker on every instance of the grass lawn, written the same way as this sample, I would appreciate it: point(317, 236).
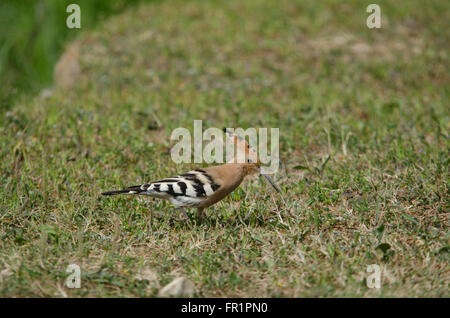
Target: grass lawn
point(364, 137)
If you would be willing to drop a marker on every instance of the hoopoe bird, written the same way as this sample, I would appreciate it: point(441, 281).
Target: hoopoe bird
point(201, 188)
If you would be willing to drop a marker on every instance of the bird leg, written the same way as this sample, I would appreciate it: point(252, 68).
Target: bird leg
point(185, 216)
point(200, 213)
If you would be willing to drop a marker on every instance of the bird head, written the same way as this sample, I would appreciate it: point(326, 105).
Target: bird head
point(247, 156)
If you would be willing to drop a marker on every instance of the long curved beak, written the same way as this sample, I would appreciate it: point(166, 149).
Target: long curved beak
point(271, 182)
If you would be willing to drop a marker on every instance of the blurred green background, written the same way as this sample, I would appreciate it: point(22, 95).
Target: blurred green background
point(32, 37)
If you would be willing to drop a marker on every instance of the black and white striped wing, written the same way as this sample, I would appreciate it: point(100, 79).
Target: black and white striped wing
point(189, 189)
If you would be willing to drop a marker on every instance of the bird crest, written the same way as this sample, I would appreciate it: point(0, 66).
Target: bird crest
point(244, 152)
